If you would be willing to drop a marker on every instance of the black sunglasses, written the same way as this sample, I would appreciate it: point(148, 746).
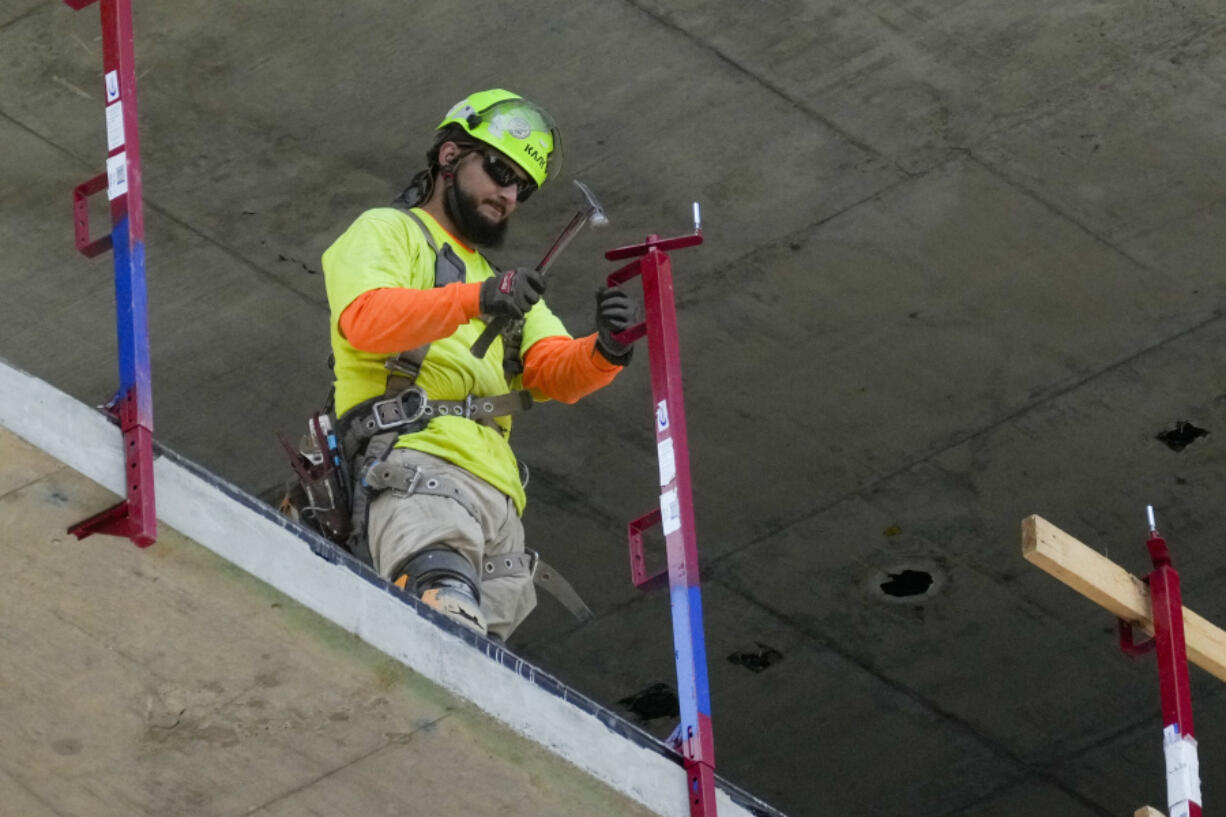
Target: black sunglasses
point(504, 176)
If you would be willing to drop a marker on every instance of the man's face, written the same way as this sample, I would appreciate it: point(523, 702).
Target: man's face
point(477, 202)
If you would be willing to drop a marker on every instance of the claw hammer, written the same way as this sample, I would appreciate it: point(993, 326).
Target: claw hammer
point(591, 211)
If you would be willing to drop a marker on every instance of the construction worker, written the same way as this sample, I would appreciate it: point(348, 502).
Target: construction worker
point(422, 420)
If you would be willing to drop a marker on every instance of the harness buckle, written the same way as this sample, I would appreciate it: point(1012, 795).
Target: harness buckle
point(395, 411)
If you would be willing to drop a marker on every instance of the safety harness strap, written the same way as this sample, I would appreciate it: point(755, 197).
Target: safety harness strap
point(375, 451)
point(405, 480)
point(404, 368)
point(544, 576)
point(553, 582)
point(449, 268)
point(411, 410)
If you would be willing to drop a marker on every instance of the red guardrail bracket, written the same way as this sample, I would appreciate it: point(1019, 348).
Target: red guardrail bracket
point(638, 561)
point(80, 221)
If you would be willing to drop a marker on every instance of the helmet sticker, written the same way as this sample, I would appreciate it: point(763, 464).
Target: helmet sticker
point(498, 126)
point(462, 110)
point(519, 127)
point(513, 124)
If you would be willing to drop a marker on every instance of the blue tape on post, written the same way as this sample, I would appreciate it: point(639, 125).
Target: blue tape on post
point(693, 690)
point(699, 648)
point(683, 653)
point(131, 319)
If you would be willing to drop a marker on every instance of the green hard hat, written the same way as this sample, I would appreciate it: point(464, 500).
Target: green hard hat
point(517, 127)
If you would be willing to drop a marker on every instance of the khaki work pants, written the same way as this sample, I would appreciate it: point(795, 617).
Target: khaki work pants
point(401, 525)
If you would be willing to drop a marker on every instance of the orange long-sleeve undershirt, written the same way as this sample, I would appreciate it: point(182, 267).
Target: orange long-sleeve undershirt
point(390, 320)
point(566, 369)
point(376, 320)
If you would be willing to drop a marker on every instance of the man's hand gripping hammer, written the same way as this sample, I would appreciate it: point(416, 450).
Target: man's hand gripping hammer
point(591, 211)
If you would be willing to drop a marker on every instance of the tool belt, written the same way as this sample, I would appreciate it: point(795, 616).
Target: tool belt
point(410, 410)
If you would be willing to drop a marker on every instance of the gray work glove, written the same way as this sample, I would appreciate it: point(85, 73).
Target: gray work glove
point(512, 293)
point(615, 313)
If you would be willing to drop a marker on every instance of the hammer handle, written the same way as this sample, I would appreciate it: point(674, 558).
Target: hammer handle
point(495, 326)
point(492, 330)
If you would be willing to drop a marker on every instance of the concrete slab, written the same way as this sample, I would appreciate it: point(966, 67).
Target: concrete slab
point(913, 81)
point(924, 763)
point(1142, 745)
point(1137, 151)
point(997, 632)
point(938, 650)
point(853, 360)
point(1030, 798)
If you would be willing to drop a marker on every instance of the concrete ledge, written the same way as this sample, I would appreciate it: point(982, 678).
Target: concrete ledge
point(249, 534)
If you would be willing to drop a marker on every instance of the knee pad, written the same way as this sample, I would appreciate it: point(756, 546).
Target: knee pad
point(434, 565)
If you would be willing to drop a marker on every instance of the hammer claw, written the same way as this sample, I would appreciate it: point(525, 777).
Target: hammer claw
point(590, 211)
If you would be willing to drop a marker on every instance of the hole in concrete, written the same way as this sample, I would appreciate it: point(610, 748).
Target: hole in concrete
point(756, 661)
point(656, 701)
point(910, 581)
point(1181, 436)
point(907, 583)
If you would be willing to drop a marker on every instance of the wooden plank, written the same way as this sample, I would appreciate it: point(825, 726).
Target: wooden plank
point(1147, 811)
point(1108, 585)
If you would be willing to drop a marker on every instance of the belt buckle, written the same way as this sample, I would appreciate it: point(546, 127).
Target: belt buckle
point(534, 563)
point(389, 405)
point(393, 406)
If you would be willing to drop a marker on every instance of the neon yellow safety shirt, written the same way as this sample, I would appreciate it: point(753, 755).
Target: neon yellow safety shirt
point(385, 248)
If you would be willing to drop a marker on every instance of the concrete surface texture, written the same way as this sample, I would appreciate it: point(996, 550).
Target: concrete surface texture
point(961, 266)
point(169, 682)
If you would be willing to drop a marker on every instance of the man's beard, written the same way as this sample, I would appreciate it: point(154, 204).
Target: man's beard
point(473, 227)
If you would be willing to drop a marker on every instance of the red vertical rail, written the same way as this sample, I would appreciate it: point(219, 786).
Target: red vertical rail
point(1178, 733)
point(676, 509)
point(134, 517)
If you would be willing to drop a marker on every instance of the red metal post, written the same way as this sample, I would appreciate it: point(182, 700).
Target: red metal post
point(135, 517)
point(676, 508)
point(1178, 734)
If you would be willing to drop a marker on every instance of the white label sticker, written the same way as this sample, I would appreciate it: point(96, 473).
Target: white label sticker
point(670, 512)
point(117, 175)
point(1182, 773)
point(661, 415)
point(114, 126)
point(668, 463)
point(112, 86)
